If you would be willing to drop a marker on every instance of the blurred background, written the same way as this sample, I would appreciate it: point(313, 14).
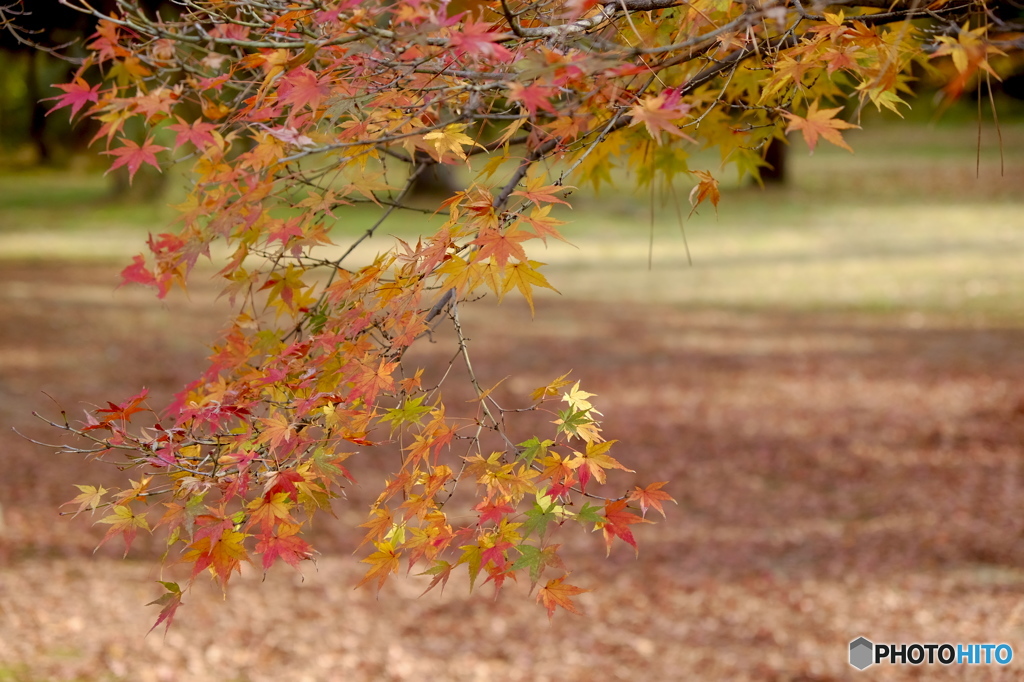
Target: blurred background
point(829, 371)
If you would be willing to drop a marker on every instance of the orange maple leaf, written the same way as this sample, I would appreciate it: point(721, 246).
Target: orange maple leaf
point(539, 193)
point(544, 225)
point(820, 122)
point(222, 553)
point(558, 593)
point(706, 188)
point(651, 496)
point(594, 461)
point(502, 245)
point(657, 112)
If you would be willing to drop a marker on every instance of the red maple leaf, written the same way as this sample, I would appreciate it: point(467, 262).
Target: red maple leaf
point(489, 511)
point(134, 155)
point(617, 523)
point(138, 273)
point(301, 87)
point(477, 39)
point(532, 96)
point(284, 545)
point(198, 133)
point(76, 95)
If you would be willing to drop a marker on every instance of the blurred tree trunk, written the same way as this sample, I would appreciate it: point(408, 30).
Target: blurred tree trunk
point(148, 185)
point(37, 109)
point(436, 180)
point(775, 155)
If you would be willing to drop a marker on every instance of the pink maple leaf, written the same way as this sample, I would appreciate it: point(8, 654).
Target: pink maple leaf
point(133, 155)
point(477, 39)
point(76, 95)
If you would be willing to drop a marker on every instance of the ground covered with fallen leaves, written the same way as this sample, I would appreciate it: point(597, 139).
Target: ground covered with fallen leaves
point(837, 475)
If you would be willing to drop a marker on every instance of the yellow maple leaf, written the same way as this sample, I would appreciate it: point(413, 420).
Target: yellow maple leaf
point(451, 138)
point(524, 276)
point(577, 399)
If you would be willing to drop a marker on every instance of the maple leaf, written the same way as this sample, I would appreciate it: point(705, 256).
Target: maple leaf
point(577, 399)
point(219, 548)
point(657, 112)
point(284, 481)
point(184, 516)
point(170, 601)
point(410, 412)
point(551, 390)
point(383, 563)
point(90, 497)
point(277, 430)
point(616, 523)
point(557, 593)
point(579, 424)
point(301, 87)
point(126, 523)
point(76, 95)
point(451, 138)
point(544, 225)
point(524, 276)
point(532, 97)
point(536, 559)
point(820, 122)
point(651, 496)
point(534, 448)
point(133, 155)
point(476, 38)
point(593, 462)
point(501, 244)
point(371, 381)
point(270, 510)
point(123, 412)
point(199, 133)
point(379, 525)
point(968, 50)
point(707, 188)
point(283, 545)
point(493, 512)
point(539, 193)
point(441, 570)
point(138, 273)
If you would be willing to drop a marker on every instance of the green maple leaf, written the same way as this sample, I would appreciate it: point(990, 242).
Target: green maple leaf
point(536, 559)
point(410, 412)
point(534, 448)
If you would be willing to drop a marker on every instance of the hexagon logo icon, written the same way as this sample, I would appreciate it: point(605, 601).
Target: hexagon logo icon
point(861, 653)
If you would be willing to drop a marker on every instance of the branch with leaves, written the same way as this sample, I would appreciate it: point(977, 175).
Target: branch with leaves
point(287, 113)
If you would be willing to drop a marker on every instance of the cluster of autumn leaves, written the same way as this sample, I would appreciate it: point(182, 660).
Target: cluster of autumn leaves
point(287, 114)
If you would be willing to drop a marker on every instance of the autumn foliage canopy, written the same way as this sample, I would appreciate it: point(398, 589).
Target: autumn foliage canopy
point(287, 113)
